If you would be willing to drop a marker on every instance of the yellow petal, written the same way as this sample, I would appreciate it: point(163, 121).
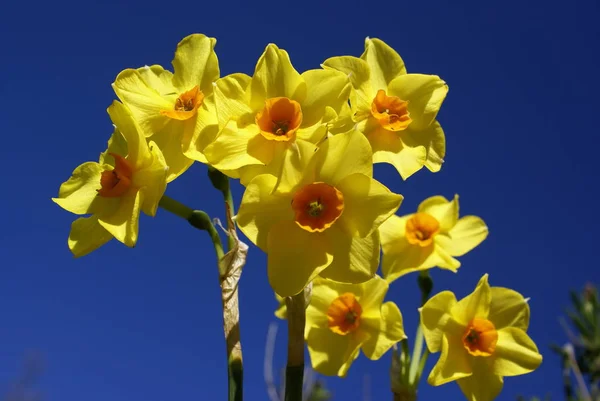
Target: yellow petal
point(384, 333)
point(515, 354)
point(138, 154)
point(508, 309)
point(196, 137)
point(476, 304)
point(371, 296)
point(400, 149)
point(260, 210)
point(275, 76)
point(86, 236)
point(332, 354)
point(483, 385)
point(152, 181)
point(444, 211)
point(367, 204)
point(384, 62)
point(434, 141)
point(232, 98)
point(237, 147)
point(436, 318)
point(79, 193)
point(323, 293)
point(424, 94)
point(468, 232)
point(116, 144)
point(169, 140)
point(357, 70)
point(157, 78)
point(123, 222)
point(355, 259)
point(336, 164)
point(196, 63)
point(454, 362)
point(325, 88)
point(294, 257)
point(144, 101)
point(295, 162)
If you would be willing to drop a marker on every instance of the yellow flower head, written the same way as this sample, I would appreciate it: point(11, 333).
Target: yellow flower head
point(323, 221)
point(343, 319)
point(482, 338)
point(395, 110)
point(176, 110)
point(431, 237)
point(130, 176)
point(262, 118)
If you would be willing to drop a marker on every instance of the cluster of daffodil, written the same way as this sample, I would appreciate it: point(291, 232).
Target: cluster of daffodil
point(303, 145)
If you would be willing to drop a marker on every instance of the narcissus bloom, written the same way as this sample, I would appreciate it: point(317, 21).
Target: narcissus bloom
point(482, 338)
point(395, 110)
point(322, 221)
point(343, 319)
point(431, 237)
point(130, 177)
point(263, 118)
point(176, 110)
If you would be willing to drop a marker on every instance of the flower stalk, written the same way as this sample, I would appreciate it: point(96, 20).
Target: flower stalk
point(294, 373)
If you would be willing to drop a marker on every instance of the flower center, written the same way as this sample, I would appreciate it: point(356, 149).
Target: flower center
point(186, 105)
point(116, 181)
point(480, 337)
point(343, 315)
point(279, 119)
point(390, 111)
point(421, 228)
point(317, 206)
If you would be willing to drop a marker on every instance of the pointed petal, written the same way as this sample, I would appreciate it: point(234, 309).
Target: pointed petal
point(144, 101)
point(515, 354)
point(116, 144)
point(86, 236)
point(367, 204)
point(294, 165)
point(169, 140)
point(357, 70)
point(138, 154)
point(444, 211)
point(196, 63)
point(508, 309)
point(398, 149)
point(454, 362)
point(232, 98)
point(334, 161)
point(483, 385)
point(355, 259)
point(152, 181)
point(200, 132)
point(424, 93)
point(332, 354)
point(260, 210)
point(384, 62)
point(325, 88)
point(476, 304)
point(434, 141)
point(157, 78)
point(468, 232)
point(389, 330)
point(123, 222)
point(295, 257)
point(323, 293)
point(437, 319)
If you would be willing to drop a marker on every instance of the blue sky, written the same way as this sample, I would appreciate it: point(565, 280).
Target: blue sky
point(145, 324)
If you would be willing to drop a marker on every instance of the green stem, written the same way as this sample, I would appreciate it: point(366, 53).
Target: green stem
point(294, 373)
point(221, 182)
point(419, 359)
point(416, 355)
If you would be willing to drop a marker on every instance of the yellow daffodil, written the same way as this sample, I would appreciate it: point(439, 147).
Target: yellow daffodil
point(482, 338)
point(130, 177)
point(176, 110)
point(323, 221)
point(263, 118)
point(343, 319)
point(431, 237)
point(395, 110)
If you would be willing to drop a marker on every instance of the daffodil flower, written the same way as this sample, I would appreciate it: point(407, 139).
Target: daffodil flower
point(264, 118)
point(323, 221)
point(396, 111)
point(176, 110)
point(343, 319)
point(130, 177)
point(433, 236)
point(482, 338)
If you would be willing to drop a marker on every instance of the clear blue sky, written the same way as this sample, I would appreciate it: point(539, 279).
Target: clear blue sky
point(145, 324)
